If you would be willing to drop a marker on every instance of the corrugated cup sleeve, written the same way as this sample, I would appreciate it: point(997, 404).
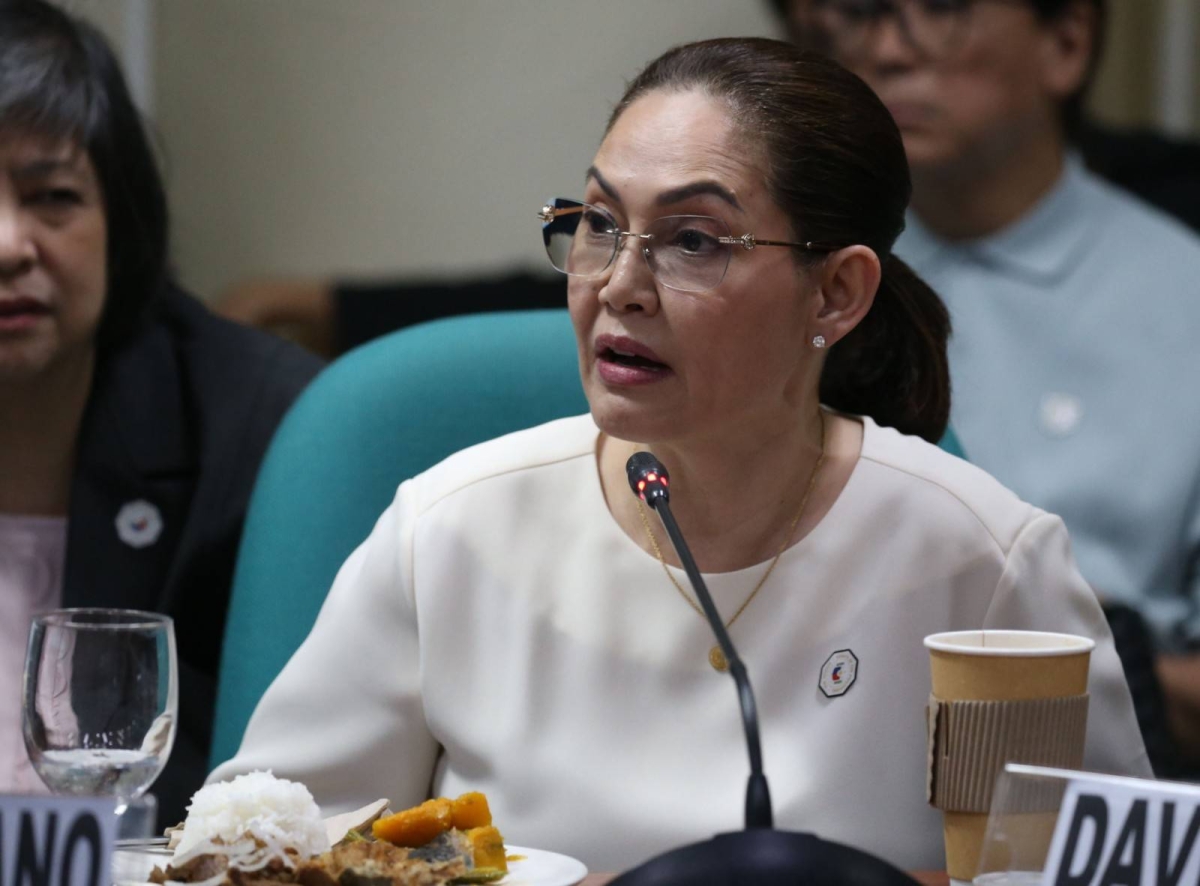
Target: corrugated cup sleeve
point(970, 741)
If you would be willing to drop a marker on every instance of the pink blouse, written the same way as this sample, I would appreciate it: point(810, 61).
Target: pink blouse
point(32, 554)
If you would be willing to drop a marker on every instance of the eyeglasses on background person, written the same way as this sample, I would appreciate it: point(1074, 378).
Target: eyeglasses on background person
point(931, 27)
point(688, 253)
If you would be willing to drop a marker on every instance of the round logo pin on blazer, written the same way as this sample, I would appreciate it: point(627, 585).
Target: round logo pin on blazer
point(139, 523)
point(838, 673)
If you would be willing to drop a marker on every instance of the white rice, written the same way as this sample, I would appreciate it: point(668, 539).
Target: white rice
point(275, 811)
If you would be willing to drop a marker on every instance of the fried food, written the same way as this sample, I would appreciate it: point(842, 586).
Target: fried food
point(463, 825)
point(259, 830)
point(363, 863)
point(376, 864)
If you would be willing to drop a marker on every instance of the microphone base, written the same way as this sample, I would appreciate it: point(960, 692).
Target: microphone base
point(760, 856)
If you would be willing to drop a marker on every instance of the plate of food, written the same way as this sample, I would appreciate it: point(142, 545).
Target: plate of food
point(259, 830)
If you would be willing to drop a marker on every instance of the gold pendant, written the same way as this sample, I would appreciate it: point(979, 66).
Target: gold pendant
point(716, 658)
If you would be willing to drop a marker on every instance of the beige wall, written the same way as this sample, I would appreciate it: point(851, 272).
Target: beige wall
point(417, 137)
point(1126, 80)
point(1126, 91)
point(392, 136)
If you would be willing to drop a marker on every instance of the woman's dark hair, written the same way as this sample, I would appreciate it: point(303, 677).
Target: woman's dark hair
point(835, 165)
point(60, 80)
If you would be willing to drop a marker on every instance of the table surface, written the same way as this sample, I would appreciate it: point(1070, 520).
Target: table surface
point(926, 878)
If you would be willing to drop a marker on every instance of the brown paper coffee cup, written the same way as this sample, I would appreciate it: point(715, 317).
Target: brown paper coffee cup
point(999, 667)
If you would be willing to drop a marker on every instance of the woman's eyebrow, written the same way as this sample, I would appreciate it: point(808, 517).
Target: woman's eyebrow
point(675, 195)
point(42, 168)
point(605, 186)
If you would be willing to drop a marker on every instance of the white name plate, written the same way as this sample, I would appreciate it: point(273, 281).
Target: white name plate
point(56, 841)
point(1125, 832)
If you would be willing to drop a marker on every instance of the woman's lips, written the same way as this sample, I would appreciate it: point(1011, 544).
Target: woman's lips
point(622, 361)
point(20, 313)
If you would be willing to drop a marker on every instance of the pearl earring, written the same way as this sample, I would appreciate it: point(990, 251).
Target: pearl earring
point(818, 341)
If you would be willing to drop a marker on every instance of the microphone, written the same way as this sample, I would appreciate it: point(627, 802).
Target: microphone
point(647, 476)
point(758, 854)
point(649, 480)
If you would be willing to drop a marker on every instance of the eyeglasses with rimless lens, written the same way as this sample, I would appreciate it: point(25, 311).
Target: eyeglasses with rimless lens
point(688, 253)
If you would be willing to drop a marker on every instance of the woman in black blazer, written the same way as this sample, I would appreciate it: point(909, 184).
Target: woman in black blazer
point(132, 421)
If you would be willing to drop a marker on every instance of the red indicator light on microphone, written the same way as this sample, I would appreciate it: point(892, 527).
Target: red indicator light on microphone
point(647, 476)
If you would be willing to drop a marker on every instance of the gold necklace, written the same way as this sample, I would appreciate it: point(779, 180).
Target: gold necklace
point(716, 657)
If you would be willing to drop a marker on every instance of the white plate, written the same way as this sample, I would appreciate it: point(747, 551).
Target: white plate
point(536, 867)
point(541, 868)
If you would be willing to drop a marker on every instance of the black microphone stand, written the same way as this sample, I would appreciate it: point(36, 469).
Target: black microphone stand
point(759, 854)
point(758, 795)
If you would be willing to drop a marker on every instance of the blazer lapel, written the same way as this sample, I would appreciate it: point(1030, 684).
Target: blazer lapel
point(134, 478)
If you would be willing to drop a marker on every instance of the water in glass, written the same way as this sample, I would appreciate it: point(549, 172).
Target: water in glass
point(100, 699)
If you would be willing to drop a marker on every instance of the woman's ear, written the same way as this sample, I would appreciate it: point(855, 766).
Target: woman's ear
point(848, 280)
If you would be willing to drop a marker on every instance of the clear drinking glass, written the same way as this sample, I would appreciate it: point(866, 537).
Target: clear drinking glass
point(100, 700)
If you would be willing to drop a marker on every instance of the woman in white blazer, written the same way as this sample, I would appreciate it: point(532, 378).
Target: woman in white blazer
point(518, 624)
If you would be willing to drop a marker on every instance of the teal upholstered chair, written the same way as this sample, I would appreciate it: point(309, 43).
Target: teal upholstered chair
point(380, 414)
point(951, 444)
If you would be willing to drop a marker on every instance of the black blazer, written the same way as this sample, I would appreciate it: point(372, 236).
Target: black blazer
point(180, 418)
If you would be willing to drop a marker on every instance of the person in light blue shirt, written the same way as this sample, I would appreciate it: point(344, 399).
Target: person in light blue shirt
point(1074, 360)
point(1075, 307)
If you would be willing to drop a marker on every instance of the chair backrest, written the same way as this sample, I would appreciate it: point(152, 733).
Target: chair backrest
point(952, 444)
point(380, 414)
